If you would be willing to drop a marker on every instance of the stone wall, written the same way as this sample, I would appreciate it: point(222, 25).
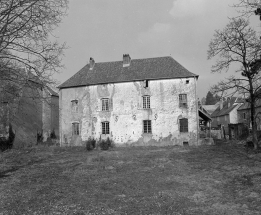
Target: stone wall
point(126, 114)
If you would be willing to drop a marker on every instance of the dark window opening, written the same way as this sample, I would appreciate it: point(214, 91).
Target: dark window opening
point(75, 128)
point(105, 128)
point(185, 143)
point(146, 83)
point(183, 125)
point(147, 126)
point(187, 81)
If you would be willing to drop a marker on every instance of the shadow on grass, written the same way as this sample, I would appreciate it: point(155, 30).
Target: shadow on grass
point(4, 174)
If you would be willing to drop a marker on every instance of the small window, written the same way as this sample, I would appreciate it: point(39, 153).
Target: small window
point(105, 128)
point(75, 128)
point(244, 115)
point(146, 102)
point(75, 106)
point(183, 100)
point(183, 125)
point(105, 104)
point(147, 126)
point(187, 81)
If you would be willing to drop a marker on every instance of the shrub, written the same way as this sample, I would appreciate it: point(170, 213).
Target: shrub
point(90, 144)
point(105, 144)
point(7, 143)
point(52, 135)
point(39, 137)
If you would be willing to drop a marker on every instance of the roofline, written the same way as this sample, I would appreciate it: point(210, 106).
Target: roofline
point(84, 85)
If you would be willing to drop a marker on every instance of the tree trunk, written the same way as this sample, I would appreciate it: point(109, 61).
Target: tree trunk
point(252, 116)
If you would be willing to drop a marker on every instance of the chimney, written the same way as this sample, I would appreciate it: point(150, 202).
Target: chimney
point(126, 60)
point(221, 103)
point(91, 62)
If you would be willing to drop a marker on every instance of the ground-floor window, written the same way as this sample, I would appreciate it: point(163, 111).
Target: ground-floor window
point(105, 128)
point(183, 125)
point(75, 128)
point(147, 126)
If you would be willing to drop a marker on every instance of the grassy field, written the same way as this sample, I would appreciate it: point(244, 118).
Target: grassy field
point(221, 179)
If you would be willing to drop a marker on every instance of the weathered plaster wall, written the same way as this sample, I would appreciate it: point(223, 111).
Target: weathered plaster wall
point(126, 115)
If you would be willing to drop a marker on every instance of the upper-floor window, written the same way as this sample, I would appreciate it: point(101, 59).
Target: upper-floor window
point(146, 102)
point(183, 125)
point(74, 105)
point(75, 128)
point(147, 126)
point(105, 128)
point(244, 115)
point(105, 104)
point(183, 100)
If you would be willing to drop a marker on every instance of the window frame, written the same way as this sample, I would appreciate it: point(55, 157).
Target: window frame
point(105, 127)
point(146, 102)
point(75, 106)
point(244, 115)
point(105, 104)
point(183, 102)
point(183, 128)
point(75, 128)
point(147, 127)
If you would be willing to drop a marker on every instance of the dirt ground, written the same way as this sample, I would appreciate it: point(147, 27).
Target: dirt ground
point(219, 179)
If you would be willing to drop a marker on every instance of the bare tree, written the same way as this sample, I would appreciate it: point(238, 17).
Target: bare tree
point(248, 7)
point(26, 42)
point(238, 44)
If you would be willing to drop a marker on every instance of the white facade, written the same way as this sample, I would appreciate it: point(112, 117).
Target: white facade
point(126, 112)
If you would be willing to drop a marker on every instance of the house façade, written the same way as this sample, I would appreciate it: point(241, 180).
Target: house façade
point(133, 102)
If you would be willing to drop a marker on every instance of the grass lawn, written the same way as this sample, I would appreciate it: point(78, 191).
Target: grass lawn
point(221, 179)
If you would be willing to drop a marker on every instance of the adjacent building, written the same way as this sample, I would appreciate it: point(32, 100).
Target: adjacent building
point(135, 102)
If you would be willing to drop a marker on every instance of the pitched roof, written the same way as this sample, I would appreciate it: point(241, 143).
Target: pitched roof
point(52, 92)
point(210, 108)
point(139, 69)
point(246, 105)
point(226, 110)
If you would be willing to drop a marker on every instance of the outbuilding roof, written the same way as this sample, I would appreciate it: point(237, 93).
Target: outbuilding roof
point(139, 69)
point(234, 101)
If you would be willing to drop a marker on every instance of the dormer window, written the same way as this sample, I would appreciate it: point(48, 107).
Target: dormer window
point(74, 106)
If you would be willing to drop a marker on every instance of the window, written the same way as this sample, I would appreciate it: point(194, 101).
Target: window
point(183, 125)
point(146, 102)
point(183, 100)
point(75, 128)
point(147, 126)
point(75, 106)
point(244, 115)
point(105, 104)
point(105, 128)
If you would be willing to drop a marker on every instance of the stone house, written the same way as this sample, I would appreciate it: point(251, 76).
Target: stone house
point(226, 113)
point(30, 109)
point(133, 102)
point(244, 114)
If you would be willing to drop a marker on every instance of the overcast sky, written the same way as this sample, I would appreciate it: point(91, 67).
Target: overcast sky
point(107, 29)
